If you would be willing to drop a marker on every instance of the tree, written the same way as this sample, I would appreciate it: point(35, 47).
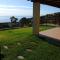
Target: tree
point(57, 17)
point(13, 21)
point(22, 21)
point(25, 22)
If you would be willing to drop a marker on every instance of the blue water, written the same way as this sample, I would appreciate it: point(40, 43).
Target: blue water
point(7, 18)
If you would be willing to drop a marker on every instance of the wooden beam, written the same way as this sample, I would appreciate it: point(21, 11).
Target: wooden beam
point(36, 17)
point(55, 3)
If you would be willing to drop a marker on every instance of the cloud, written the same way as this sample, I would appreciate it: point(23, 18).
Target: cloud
point(15, 10)
point(10, 10)
point(13, 6)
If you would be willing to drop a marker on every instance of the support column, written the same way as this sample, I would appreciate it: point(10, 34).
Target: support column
point(36, 17)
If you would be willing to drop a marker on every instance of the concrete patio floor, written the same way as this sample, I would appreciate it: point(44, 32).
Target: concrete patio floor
point(52, 34)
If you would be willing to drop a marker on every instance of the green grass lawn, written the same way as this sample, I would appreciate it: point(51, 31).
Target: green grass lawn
point(21, 42)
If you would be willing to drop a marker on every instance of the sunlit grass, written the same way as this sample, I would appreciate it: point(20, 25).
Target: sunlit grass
point(21, 42)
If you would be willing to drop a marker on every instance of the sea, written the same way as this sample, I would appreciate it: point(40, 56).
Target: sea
point(7, 18)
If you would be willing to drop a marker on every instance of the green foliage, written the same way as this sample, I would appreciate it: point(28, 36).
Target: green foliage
point(13, 21)
point(51, 18)
point(25, 22)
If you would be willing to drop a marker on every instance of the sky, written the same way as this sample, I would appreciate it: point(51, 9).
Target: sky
point(23, 8)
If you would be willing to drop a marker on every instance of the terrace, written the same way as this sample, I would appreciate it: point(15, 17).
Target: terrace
point(52, 34)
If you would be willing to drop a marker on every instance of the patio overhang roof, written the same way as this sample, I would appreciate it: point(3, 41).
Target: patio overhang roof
point(55, 3)
point(36, 12)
